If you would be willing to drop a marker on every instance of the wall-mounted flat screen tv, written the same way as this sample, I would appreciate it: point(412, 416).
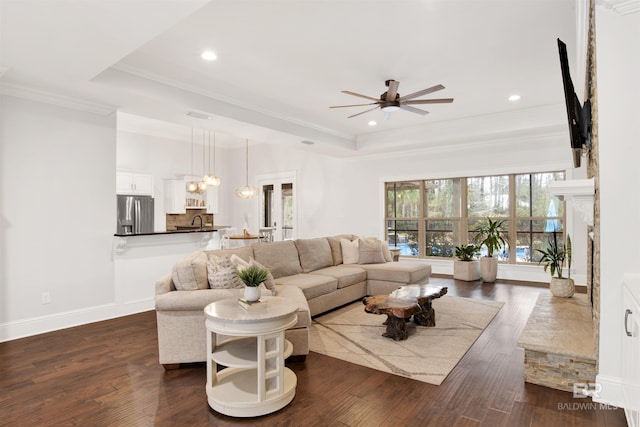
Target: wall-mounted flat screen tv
point(579, 116)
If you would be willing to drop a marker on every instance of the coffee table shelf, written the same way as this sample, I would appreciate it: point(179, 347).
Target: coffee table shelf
point(251, 347)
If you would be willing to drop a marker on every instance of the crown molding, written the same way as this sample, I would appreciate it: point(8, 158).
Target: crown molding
point(622, 7)
point(51, 98)
point(128, 69)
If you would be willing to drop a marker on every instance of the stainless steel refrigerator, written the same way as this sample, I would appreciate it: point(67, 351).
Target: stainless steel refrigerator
point(135, 214)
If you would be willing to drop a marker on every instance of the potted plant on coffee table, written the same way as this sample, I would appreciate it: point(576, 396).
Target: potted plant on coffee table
point(466, 267)
point(553, 258)
point(490, 235)
point(252, 277)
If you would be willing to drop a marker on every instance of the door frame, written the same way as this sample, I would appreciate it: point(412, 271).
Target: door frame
point(278, 178)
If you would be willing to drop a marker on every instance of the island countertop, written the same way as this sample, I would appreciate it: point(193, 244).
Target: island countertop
point(156, 233)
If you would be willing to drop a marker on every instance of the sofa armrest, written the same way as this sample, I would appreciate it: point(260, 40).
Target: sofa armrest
point(164, 285)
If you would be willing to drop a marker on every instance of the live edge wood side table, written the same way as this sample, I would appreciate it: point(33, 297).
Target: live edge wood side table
point(401, 304)
point(250, 344)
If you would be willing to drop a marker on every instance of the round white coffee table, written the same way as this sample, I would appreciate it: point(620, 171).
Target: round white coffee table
point(249, 343)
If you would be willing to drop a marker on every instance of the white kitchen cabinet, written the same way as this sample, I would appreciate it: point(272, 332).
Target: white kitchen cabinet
point(631, 350)
point(134, 183)
point(175, 194)
point(212, 200)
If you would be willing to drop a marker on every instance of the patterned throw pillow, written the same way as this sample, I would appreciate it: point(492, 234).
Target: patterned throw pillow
point(221, 273)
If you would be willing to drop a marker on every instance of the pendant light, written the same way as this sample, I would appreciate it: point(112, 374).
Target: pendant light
point(247, 192)
point(210, 179)
point(202, 185)
point(192, 186)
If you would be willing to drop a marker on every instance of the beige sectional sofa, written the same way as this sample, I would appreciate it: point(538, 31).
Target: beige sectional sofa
point(310, 272)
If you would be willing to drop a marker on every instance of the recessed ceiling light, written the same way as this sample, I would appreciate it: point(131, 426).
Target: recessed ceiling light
point(209, 55)
point(514, 97)
point(372, 123)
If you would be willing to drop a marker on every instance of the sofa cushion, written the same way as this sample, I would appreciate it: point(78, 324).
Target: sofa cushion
point(336, 247)
point(281, 258)
point(402, 271)
point(295, 295)
point(198, 300)
point(314, 254)
point(370, 251)
point(312, 285)
point(350, 251)
point(222, 273)
point(190, 273)
point(346, 275)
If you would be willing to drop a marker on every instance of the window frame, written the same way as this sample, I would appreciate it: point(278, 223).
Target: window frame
point(464, 220)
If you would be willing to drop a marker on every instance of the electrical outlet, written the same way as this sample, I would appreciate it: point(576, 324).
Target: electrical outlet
point(46, 298)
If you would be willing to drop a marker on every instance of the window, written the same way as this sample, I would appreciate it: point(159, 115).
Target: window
point(428, 218)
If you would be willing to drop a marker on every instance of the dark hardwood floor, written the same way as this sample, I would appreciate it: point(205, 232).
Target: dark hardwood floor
point(107, 374)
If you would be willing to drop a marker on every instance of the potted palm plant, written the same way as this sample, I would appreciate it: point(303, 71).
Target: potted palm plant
point(252, 277)
point(490, 235)
point(466, 267)
point(553, 258)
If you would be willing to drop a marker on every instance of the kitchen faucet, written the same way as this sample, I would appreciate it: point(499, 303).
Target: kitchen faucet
point(193, 222)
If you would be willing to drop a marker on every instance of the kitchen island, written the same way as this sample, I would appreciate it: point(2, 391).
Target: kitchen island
point(140, 259)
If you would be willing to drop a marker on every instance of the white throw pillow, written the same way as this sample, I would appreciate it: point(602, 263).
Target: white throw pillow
point(350, 251)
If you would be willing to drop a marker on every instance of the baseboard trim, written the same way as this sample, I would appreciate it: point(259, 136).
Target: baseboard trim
point(67, 319)
point(612, 392)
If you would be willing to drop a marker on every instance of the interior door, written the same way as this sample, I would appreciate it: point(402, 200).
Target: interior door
point(278, 208)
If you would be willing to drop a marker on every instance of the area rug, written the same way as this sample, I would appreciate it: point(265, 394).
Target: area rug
point(428, 354)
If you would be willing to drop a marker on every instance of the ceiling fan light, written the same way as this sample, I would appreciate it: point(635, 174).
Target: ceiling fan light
point(390, 108)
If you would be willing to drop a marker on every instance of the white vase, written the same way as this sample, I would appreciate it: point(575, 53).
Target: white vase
point(252, 293)
point(489, 268)
point(563, 288)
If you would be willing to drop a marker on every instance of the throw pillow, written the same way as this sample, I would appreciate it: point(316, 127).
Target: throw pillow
point(241, 264)
point(221, 273)
point(270, 283)
point(370, 252)
point(350, 253)
point(386, 252)
point(190, 273)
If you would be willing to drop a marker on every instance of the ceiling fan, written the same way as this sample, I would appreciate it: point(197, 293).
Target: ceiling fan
point(391, 100)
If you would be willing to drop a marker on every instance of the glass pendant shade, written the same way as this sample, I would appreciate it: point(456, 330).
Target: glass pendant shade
point(246, 191)
point(211, 179)
point(192, 187)
point(202, 186)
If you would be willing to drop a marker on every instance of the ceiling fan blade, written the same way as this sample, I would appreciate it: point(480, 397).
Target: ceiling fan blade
point(393, 90)
point(353, 105)
point(365, 111)
point(430, 101)
point(421, 92)
point(348, 92)
point(414, 110)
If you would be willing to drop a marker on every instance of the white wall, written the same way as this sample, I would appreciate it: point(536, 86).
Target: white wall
point(618, 44)
point(57, 180)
